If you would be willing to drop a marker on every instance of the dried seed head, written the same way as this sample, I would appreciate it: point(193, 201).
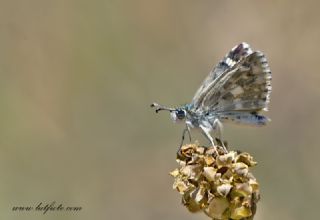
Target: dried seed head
point(221, 186)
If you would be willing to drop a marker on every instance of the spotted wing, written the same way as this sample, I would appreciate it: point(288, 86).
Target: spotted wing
point(226, 64)
point(246, 86)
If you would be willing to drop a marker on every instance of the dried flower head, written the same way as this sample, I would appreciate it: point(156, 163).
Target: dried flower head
point(219, 185)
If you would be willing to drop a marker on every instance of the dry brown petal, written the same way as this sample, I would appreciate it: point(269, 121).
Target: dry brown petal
point(240, 212)
point(190, 202)
point(191, 205)
point(195, 158)
point(254, 184)
point(209, 173)
point(227, 176)
point(192, 171)
point(246, 201)
point(210, 195)
point(175, 172)
point(224, 189)
point(218, 175)
point(217, 207)
point(255, 197)
point(210, 151)
point(243, 189)
point(187, 150)
point(200, 150)
point(236, 201)
point(247, 159)
point(181, 162)
point(226, 159)
point(240, 169)
point(209, 160)
point(181, 186)
point(199, 194)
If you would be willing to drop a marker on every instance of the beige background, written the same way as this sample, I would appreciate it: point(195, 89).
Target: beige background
point(77, 78)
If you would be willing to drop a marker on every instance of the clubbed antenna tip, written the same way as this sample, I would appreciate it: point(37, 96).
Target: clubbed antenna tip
point(161, 107)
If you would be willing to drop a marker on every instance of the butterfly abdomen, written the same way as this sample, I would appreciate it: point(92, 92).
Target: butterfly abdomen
point(245, 118)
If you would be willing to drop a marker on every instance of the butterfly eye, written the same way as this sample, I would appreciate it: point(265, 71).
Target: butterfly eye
point(181, 114)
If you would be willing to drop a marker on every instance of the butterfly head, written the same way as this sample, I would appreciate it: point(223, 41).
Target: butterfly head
point(177, 114)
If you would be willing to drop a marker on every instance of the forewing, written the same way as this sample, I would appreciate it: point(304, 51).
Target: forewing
point(226, 64)
point(244, 87)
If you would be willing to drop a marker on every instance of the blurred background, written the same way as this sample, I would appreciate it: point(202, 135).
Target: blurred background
point(77, 79)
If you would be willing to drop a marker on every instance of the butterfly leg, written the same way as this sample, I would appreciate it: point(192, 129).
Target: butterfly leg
point(188, 129)
point(217, 124)
point(183, 136)
point(206, 132)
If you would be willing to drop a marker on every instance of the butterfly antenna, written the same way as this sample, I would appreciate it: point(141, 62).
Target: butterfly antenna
point(161, 107)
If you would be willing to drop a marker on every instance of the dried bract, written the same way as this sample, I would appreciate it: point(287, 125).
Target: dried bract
point(221, 186)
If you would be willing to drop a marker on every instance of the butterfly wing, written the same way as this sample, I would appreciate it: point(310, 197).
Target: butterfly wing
point(243, 87)
point(226, 64)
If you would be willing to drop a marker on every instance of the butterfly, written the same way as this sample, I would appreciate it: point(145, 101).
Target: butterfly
point(236, 90)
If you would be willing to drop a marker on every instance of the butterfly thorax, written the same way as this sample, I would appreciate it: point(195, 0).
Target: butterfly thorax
point(195, 119)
